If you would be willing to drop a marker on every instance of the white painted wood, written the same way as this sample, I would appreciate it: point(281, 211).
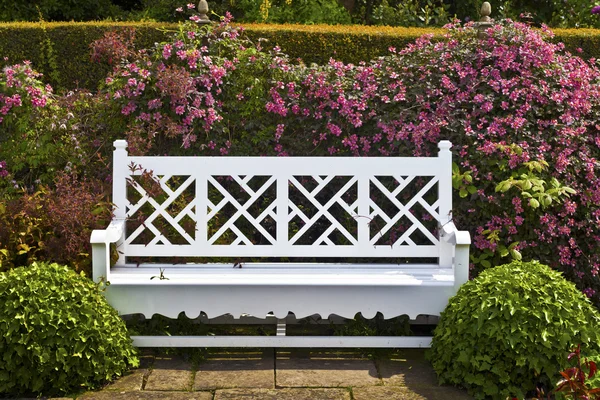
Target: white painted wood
point(284, 341)
point(282, 276)
point(362, 172)
point(101, 241)
point(119, 190)
point(215, 298)
point(207, 250)
point(276, 289)
point(446, 250)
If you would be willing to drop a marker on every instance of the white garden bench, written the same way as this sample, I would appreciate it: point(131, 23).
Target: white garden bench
point(366, 214)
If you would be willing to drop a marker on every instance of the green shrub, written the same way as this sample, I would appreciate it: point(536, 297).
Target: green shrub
point(511, 329)
point(57, 333)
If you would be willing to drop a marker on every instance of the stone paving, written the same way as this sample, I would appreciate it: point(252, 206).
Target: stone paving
point(282, 374)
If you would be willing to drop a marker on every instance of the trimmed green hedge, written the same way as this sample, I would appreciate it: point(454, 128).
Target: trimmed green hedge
point(61, 51)
point(350, 44)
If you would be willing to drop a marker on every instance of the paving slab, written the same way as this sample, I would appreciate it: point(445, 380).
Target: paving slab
point(146, 395)
point(283, 394)
point(407, 393)
point(236, 369)
point(407, 367)
point(134, 379)
point(324, 369)
point(170, 373)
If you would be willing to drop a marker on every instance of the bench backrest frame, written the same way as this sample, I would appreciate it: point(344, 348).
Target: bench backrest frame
point(283, 170)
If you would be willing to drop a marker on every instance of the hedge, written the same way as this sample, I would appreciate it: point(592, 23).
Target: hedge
point(61, 51)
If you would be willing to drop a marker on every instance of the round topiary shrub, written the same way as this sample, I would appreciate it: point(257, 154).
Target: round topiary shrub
point(510, 330)
point(57, 333)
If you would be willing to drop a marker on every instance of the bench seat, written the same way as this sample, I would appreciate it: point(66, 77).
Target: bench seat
point(284, 275)
point(262, 289)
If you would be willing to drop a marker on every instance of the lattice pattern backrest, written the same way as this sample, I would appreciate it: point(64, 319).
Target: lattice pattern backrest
point(282, 207)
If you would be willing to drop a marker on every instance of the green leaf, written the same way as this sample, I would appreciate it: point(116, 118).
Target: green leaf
point(515, 254)
point(534, 203)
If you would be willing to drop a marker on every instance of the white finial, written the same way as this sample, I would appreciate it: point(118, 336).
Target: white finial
point(120, 144)
point(444, 145)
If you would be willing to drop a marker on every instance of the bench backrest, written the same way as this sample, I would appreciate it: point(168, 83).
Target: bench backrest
point(283, 206)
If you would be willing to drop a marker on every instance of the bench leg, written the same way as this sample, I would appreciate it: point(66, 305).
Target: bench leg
point(100, 261)
point(461, 265)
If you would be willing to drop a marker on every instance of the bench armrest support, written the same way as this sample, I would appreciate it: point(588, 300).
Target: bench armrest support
point(101, 240)
point(461, 241)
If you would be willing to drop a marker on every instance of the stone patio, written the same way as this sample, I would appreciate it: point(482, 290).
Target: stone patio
point(267, 374)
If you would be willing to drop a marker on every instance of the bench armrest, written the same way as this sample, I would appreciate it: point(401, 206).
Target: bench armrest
point(461, 241)
point(452, 235)
point(111, 234)
point(101, 240)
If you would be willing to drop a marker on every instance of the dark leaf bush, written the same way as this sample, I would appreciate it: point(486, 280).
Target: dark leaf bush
point(53, 223)
point(57, 333)
point(509, 331)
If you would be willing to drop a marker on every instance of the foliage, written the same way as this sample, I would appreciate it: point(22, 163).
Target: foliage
point(377, 326)
point(509, 330)
point(57, 10)
point(579, 381)
point(47, 209)
point(412, 13)
point(53, 223)
point(21, 90)
point(291, 11)
point(181, 90)
point(555, 13)
point(58, 333)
